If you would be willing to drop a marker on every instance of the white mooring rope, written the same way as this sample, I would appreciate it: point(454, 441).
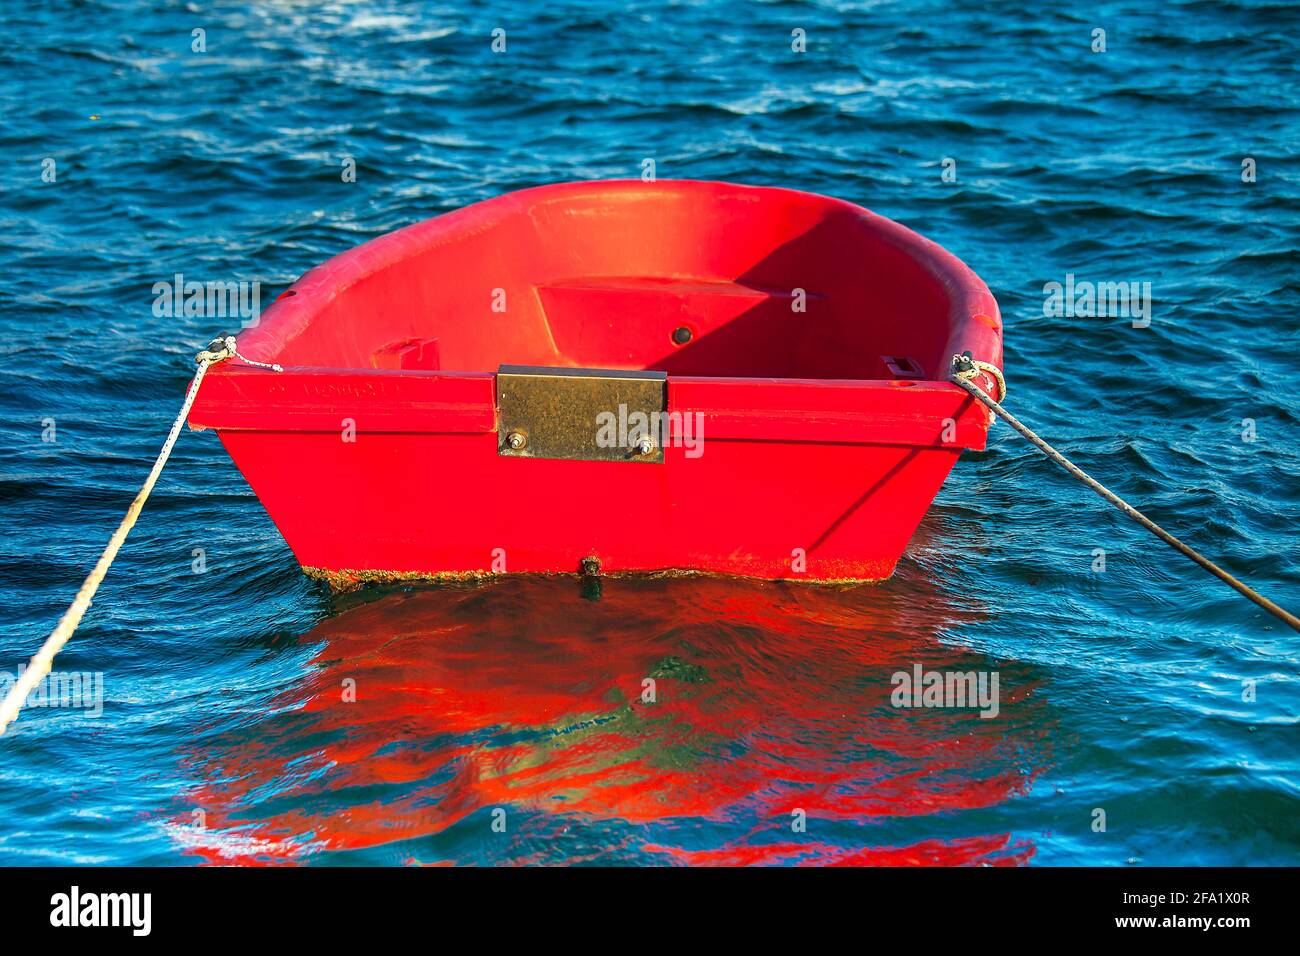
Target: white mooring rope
point(965, 369)
point(219, 350)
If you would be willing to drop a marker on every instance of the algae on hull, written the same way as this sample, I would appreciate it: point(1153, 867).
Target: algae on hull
point(347, 579)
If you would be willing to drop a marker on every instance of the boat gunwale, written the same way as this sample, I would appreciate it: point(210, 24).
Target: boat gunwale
point(974, 320)
point(240, 397)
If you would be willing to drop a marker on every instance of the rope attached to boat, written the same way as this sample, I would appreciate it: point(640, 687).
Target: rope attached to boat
point(965, 369)
point(224, 347)
point(219, 350)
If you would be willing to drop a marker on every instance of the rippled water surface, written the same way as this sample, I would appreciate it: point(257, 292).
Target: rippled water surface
point(224, 737)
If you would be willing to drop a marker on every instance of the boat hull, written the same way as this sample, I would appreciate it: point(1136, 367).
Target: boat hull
point(400, 469)
point(418, 506)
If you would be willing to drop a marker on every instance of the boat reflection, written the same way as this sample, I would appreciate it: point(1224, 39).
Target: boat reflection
point(689, 719)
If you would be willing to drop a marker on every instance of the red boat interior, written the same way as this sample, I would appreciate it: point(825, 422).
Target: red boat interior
point(694, 279)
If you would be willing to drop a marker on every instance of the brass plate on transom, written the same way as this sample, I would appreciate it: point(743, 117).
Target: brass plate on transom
point(580, 414)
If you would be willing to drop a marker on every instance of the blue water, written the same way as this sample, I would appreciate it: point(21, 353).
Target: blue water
point(221, 738)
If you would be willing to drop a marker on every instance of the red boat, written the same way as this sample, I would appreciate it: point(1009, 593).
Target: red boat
point(614, 376)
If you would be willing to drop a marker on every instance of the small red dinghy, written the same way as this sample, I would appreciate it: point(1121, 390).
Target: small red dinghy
point(614, 375)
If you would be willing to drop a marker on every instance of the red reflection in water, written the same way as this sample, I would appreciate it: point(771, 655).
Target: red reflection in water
point(770, 698)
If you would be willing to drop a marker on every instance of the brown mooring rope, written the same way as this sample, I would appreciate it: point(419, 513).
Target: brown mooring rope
point(965, 370)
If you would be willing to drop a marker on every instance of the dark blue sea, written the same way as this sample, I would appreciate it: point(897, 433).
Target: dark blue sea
point(1148, 713)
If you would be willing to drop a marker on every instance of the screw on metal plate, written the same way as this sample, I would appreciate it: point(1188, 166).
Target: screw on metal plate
point(645, 445)
point(517, 440)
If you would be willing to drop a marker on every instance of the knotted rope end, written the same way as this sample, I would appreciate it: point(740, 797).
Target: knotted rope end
point(224, 347)
point(965, 368)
